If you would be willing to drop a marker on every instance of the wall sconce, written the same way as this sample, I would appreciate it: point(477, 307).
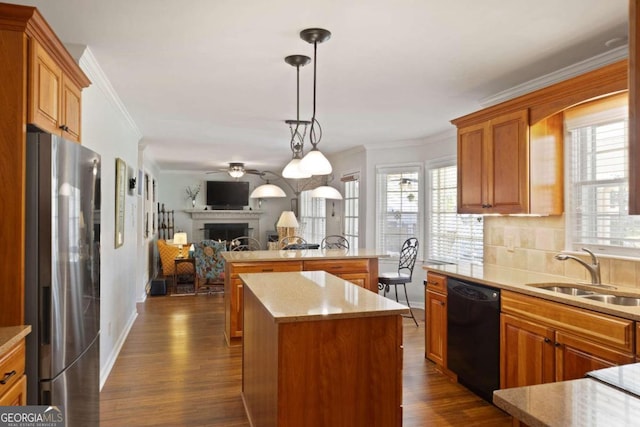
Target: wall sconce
point(132, 183)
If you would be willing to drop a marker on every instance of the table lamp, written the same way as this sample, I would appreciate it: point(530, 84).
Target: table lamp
point(287, 225)
point(180, 239)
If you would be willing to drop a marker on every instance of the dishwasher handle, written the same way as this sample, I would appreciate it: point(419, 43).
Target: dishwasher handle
point(473, 292)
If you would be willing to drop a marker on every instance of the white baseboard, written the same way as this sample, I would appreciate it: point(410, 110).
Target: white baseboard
point(106, 369)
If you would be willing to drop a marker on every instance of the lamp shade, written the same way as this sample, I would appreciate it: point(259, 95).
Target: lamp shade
point(294, 171)
point(180, 239)
point(315, 163)
point(326, 192)
point(267, 191)
point(287, 220)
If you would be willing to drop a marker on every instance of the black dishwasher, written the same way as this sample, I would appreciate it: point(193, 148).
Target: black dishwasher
point(473, 334)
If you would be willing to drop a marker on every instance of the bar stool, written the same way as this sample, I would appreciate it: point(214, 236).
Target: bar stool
point(408, 255)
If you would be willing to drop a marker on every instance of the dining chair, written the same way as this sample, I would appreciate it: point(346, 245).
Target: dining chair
point(292, 242)
point(334, 241)
point(245, 243)
point(408, 255)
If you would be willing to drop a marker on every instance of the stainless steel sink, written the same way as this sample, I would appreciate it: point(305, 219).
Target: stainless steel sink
point(614, 299)
point(567, 290)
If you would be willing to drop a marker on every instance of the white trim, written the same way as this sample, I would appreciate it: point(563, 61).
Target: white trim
point(108, 366)
point(562, 74)
point(92, 69)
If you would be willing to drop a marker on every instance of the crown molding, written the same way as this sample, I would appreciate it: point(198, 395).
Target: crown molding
point(562, 74)
point(97, 76)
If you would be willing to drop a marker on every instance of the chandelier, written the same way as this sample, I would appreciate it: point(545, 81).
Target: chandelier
point(314, 162)
point(293, 170)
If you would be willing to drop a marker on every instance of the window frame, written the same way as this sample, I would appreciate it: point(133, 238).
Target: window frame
point(430, 166)
point(395, 169)
point(352, 237)
point(313, 220)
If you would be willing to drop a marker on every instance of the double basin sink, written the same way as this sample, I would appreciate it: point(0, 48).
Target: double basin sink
point(600, 295)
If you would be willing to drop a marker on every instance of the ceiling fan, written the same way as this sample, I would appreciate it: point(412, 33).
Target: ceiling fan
point(237, 170)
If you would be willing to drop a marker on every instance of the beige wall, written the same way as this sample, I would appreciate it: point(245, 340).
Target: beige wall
point(529, 243)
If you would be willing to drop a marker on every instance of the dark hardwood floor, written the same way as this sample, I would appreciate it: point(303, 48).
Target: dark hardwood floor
point(175, 370)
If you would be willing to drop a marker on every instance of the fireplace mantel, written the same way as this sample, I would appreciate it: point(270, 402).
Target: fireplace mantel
point(200, 217)
point(240, 215)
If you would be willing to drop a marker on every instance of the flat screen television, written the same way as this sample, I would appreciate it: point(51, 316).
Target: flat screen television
point(227, 194)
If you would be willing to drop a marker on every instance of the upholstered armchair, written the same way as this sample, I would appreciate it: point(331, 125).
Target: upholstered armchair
point(168, 253)
point(209, 264)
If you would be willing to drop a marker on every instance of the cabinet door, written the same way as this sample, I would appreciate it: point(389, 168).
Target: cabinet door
point(507, 164)
point(16, 395)
point(45, 85)
point(70, 110)
point(471, 169)
point(526, 353)
point(360, 279)
point(576, 356)
point(436, 323)
point(236, 308)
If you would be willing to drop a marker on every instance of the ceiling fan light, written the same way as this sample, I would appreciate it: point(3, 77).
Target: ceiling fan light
point(315, 163)
point(326, 192)
point(293, 170)
point(236, 170)
point(267, 191)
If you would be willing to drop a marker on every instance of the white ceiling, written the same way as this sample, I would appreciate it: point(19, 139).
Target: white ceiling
point(206, 82)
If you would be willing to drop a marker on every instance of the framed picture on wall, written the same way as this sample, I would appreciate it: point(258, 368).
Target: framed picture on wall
point(121, 191)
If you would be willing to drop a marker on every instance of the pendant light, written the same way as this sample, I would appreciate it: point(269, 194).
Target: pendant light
point(292, 170)
point(315, 162)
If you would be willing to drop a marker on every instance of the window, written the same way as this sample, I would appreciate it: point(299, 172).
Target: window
point(598, 180)
point(397, 209)
point(313, 217)
point(452, 237)
point(351, 209)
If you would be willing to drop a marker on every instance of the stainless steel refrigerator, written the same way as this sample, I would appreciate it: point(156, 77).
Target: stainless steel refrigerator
point(62, 277)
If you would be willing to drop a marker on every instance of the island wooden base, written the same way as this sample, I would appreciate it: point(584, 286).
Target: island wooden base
point(333, 372)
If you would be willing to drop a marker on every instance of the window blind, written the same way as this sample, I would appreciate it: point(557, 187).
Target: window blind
point(452, 237)
point(598, 179)
point(351, 210)
point(313, 217)
point(397, 207)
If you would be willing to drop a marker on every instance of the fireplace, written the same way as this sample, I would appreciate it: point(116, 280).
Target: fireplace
point(225, 231)
point(248, 220)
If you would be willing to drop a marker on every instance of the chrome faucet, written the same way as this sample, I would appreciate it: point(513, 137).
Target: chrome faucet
point(593, 268)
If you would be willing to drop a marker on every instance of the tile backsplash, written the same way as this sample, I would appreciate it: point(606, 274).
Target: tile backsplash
point(530, 243)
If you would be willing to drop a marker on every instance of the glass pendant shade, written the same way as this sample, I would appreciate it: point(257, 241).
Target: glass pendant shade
point(315, 163)
point(326, 192)
point(267, 191)
point(293, 170)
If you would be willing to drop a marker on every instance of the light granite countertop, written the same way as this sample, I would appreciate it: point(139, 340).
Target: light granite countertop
point(625, 377)
point(315, 295)
point(578, 403)
point(304, 254)
point(520, 281)
point(10, 335)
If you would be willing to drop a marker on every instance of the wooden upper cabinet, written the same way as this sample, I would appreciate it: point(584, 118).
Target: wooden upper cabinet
point(54, 100)
point(493, 166)
point(510, 155)
point(634, 108)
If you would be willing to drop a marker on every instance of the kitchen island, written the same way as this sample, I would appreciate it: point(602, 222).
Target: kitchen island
point(319, 351)
point(359, 266)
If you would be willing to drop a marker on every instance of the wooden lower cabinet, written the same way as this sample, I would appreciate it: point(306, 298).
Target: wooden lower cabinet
point(436, 331)
point(13, 381)
point(544, 341)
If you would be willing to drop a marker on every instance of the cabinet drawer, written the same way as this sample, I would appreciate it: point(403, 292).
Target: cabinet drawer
point(265, 267)
point(602, 328)
point(17, 394)
point(338, 266)
point(12, 367)
point(436, 282)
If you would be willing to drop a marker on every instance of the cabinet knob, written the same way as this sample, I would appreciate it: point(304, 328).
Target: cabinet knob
point(547, 340)
point(557, 344)
point(64, 128)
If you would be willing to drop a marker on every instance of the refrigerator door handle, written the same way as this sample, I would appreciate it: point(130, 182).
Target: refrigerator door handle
point(45, 318)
